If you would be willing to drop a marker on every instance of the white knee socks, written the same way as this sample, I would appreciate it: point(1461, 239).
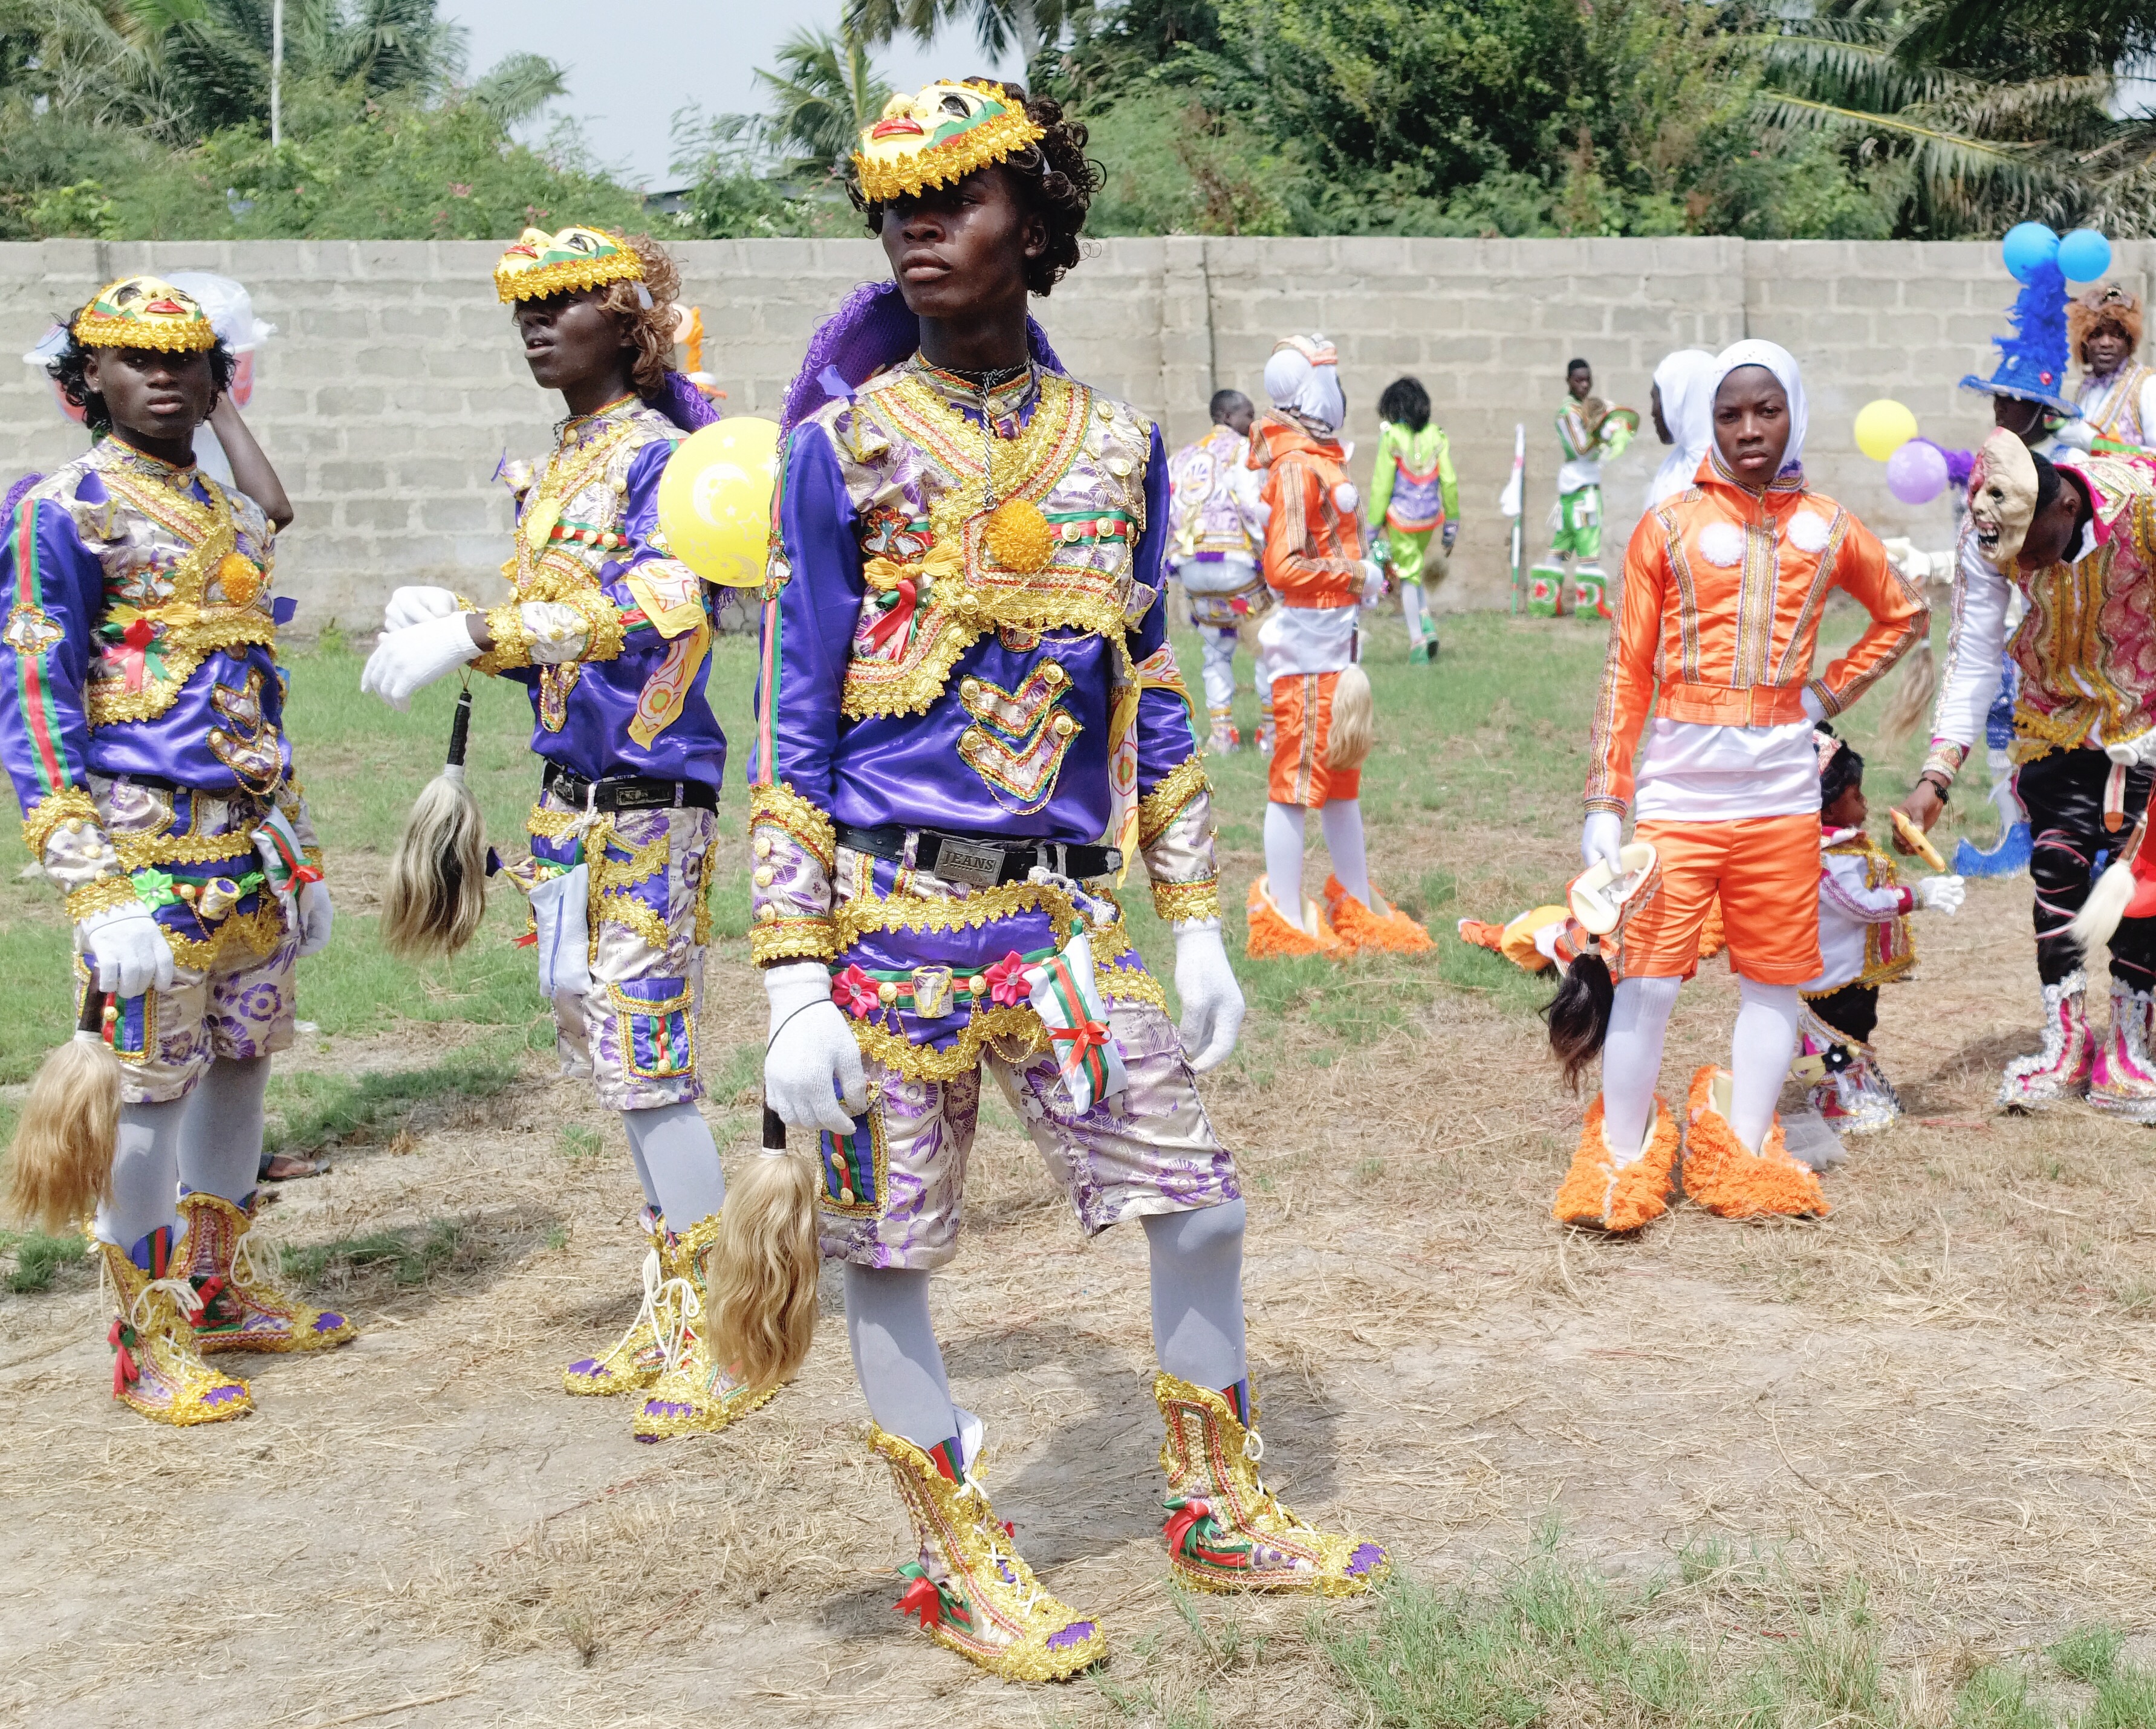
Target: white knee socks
point(1411, 611)
point(1198, 1294)
point(146, 1174)
point(220, 1144)
point(1341, 821)
point(1759, 1057)
point(1283, 859)
point(895, 1357)
point(677, 1161)
point(1632, 1061)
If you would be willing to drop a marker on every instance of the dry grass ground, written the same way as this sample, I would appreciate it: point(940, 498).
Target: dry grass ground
point(1939, 1398)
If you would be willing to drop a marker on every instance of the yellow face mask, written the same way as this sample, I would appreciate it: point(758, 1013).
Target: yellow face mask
point(540, 264)
point(939, 136)
point(144, 312)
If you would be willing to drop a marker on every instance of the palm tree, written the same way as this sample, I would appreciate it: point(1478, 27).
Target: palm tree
point(826, 89)
point(998, 25)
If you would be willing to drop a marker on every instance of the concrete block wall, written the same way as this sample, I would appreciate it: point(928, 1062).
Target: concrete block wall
point(394, 385)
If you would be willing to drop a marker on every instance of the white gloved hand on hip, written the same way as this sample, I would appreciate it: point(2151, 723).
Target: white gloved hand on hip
point(406, 661)
point(1941, 894)
point(315, 916)
point(127, 952)
point(1212, 1000)
point(812, 1066)
point(1601, 838)
point(416, 605)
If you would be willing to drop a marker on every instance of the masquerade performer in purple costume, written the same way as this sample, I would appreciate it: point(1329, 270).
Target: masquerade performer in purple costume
point(970, 718)
point(609, 632)
point(141, 718)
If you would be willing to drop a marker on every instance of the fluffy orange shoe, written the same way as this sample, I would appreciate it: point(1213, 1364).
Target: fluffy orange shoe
point(1391, 931)
point(1599, 1194)
point(1478, 934)
point(1721, 1177)
point(1274, 937)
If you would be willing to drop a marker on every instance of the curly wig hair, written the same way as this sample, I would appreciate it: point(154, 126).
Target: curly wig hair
point(1055, 178)
point(67, 370)
point(2110, 304)
point(649, 330)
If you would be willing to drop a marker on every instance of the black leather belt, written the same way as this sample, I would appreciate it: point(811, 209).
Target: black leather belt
point(979, 860)
point(628, 792)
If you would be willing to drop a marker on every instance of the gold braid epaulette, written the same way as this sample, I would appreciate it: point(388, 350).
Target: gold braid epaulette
point(1179, 901)
point(783, 807)
point(1168, 801)
point(70, 804)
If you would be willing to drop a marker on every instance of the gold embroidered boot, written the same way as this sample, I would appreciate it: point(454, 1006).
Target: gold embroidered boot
point(638, 1357)
point(240, 1309)
point(1225, 1530)
point(156, 1369)
point(694, 1394)
point(969, 1585)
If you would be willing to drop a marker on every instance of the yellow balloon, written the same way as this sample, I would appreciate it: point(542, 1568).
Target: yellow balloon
point(1882, 427)
point(715, 500)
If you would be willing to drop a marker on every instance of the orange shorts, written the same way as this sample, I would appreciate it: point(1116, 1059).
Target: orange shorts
point(1302, 727)
point(1766, 871)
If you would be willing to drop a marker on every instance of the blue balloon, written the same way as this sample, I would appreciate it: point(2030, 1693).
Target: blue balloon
point(2028, 247)
point(2084, 255)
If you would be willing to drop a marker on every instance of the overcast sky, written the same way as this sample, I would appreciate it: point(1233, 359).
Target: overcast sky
point(632, 64)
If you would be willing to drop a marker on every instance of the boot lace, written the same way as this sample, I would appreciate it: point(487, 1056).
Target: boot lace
point(1017, 1578)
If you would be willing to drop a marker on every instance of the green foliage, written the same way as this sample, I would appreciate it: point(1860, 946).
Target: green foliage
point(411, 1257)
point(309, 1112)
point(39, 1258)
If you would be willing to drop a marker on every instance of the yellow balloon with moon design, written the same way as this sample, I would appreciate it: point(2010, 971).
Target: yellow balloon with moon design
point(715, 500)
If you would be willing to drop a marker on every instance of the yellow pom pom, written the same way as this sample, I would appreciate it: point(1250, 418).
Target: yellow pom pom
point(240, 579)
point(1018, 536)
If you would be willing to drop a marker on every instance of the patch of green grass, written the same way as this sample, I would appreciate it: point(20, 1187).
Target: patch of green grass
point(2089, 1654)
point(580, 1143)
point(310, 1112)
point(38, 1259)
point(412, 1255)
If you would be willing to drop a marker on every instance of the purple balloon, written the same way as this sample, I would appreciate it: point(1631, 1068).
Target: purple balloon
point(1917, 473)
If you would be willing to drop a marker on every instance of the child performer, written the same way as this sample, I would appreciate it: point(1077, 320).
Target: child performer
point(1321, 719)
point(141, 717)
point(609, 634)
point(1414, 494)
point(1723, 590)
point(1864, 943)
point(966, 690)
point(1588, 429)
point(1213, 552)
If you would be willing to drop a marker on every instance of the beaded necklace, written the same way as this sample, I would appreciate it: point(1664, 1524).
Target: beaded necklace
point(559, 485)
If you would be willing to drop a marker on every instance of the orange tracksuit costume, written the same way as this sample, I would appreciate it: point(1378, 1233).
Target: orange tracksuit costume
point(1313, 560)
point(1723, 592)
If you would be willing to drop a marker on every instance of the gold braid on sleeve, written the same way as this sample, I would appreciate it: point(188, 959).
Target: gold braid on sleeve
point(102, 895)
point(773, 938)
point(70, 804)
point(1177, 901)
point(512, 639)
point(782, 807)
point(1167, 801)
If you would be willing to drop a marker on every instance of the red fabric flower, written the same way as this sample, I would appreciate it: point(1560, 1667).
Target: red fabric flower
point(1006, 979)
point(854, 991)
point(923, 1599)
point(1179, 1522)
point(138, 634)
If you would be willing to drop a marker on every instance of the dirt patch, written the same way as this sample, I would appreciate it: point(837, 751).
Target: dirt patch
point(1944, 1387)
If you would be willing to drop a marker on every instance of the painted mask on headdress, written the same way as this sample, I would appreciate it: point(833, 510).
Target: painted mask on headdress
point(574, 259)
point(2002, 497)
point(144, 312)
point(939, 136)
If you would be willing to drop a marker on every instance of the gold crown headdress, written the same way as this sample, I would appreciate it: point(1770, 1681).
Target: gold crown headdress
point(144, 312)
point(540, 264)
point(940, 136)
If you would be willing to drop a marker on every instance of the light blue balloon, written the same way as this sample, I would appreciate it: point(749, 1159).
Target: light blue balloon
point(2084, 255)
point(2028, 247)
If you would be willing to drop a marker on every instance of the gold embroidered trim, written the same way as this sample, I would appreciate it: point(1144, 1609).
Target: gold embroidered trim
point(854, 919)
point(551, 825)
point(644, 862)
point(1188, 901)
point(791, 939)
point(70, 804)
point(923, 1062)
point(785, 808)
point(512, 639)
point(631, 914)
point(1166, 802)
point(101, 896)
point(139, 852)
point(261, 930)
point(1129, 984)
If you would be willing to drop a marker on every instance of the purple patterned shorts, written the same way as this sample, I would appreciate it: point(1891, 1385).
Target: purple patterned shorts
point(893, 1190)
point(239, 1005)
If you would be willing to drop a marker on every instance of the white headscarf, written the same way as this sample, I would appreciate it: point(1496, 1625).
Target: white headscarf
point(1778, 360)
point(1688, 412)
point(1303, 379)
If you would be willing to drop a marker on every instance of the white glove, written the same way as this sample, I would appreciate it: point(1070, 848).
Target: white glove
point(1212, 1000)
point(316, 915)
point(1374, 582)
point(408, 660)
point(1814, 710)
point(2134, 753)
point(1601, 838)
point(128, 953)
point(812, 1067)
point(2076, 434)
point(1941, 894)
point(416, 606)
